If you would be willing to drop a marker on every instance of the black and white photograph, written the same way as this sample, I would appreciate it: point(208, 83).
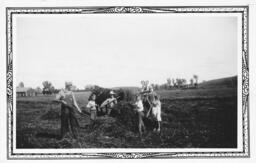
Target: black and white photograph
point(127, 82)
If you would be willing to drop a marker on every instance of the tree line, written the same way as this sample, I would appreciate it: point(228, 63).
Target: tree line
point(171, 83)
point(176, 83)
point(48, 88)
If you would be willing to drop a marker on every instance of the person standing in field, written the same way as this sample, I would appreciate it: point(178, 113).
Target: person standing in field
point(93, 107)
point(156, 111)
point(146, 92)
point(140, 113)
point(69, 105)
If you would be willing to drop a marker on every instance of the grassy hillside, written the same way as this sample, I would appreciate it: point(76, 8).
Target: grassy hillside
point(220, 83)
point(200, 93)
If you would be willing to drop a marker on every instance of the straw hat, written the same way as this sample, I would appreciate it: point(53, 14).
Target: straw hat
point(112, 93)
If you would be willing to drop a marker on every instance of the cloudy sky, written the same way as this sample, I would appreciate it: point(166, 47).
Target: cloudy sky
point(123, 49)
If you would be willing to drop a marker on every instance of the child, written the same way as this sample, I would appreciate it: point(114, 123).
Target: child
point(109, 103)
point(156, 111)
point(140, 109)
point(112, 103)
point(92, 106)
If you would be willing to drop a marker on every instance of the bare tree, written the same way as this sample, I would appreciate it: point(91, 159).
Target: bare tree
point(179, 82)
point(173, 82)
point(48, 87)
point(184, 82)
point(196, 79)
point(21, 85)
point(38, 90)
point(191, 81)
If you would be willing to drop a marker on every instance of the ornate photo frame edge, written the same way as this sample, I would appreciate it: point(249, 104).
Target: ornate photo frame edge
point(244, 10)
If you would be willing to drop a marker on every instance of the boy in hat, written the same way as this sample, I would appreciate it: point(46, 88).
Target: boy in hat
point(110, 102)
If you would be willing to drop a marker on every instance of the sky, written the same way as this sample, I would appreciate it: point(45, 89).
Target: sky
point(123, 49)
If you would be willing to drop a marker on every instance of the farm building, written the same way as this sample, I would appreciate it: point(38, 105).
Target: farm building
point(23, 92)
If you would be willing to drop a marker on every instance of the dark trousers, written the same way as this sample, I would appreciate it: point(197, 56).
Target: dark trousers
point(69, 122)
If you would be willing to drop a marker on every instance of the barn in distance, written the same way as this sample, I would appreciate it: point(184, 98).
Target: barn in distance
point(24, 92)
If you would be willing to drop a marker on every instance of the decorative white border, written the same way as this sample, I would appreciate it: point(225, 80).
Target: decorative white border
point(129, 10)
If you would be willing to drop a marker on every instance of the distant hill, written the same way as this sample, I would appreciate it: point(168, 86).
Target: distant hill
point(222, 82)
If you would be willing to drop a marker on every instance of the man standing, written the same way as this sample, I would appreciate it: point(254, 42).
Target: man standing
point(68, 102)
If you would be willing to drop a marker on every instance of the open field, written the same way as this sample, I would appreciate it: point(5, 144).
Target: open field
point(199, 93)
point(204, 118)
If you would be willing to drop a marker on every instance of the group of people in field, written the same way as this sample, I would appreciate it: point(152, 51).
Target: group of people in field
point(147, 95)
point(69, 122)
point(106, 106)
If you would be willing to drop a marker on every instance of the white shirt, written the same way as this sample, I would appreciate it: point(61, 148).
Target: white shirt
point(139, 105)
point(156, 110)
point(110, 102)
point(92, 105)
point(68, 97)
point(61, 95)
